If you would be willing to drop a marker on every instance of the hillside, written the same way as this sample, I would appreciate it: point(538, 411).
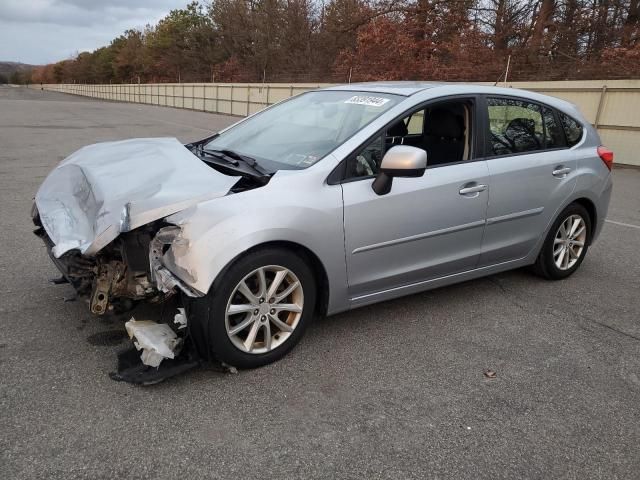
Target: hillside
point(9, 68)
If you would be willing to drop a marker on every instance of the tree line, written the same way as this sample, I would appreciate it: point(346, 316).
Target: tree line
point(359, 40)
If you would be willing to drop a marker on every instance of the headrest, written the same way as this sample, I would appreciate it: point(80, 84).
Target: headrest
point(519, 126)
point(398, 130)
point(444, 123)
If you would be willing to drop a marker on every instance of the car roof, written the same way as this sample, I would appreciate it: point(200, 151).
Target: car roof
point(394, 87)
point(407, 88)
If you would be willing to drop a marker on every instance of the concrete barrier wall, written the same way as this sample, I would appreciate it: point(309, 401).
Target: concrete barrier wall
point(226, 98)
point(613, 106)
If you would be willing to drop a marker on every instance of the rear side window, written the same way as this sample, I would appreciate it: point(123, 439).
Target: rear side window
point(553, 132)
point(572, 129)
point(515, 126)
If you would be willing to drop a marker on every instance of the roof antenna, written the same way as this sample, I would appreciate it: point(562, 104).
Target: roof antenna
point(506, 73)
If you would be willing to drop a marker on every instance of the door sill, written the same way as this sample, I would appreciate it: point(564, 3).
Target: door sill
point(423, 285)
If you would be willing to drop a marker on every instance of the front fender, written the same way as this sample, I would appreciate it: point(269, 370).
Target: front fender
point(214, 233)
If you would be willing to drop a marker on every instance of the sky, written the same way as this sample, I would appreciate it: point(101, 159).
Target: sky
point(45, 31)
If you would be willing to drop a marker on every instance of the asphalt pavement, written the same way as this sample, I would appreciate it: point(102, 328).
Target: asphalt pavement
point(395, 390)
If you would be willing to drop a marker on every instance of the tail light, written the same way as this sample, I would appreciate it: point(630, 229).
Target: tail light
point(606, 155)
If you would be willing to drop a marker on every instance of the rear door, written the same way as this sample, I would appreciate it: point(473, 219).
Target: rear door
point(531, 175)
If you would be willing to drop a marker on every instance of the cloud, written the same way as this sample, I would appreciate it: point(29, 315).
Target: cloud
point(44, 31)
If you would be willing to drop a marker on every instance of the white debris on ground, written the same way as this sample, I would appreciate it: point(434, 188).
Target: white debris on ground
point(180, 319)
point(156, 340)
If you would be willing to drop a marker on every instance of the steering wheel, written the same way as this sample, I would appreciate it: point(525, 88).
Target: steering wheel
point(364, 166)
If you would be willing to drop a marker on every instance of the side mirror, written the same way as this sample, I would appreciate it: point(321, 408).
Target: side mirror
point(399, 161)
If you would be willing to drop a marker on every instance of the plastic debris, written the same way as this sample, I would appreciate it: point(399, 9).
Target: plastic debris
point(489, 373)
point(132, 370)
point(180, 319)
point(228, 368)
point(156, 340)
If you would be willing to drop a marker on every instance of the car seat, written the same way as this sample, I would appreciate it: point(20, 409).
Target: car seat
point(444, 137)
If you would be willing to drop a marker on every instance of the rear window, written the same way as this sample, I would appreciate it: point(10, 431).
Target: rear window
point(572, 129)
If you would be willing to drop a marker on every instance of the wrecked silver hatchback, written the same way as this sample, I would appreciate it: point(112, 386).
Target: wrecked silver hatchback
point(322, 202)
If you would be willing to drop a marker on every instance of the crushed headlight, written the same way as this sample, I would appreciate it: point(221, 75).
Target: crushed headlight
point(166, 280)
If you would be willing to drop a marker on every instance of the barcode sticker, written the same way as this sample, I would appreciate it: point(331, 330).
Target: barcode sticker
point(367, 100)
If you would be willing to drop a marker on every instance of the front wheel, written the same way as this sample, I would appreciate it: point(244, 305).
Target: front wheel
point(257, 310)
point(566, 244)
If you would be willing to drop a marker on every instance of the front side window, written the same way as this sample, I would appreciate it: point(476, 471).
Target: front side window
point(298, 132)
point(572, 129)
point(442, 130)
point(515, 126)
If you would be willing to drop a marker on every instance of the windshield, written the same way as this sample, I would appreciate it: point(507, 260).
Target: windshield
point(297, 133)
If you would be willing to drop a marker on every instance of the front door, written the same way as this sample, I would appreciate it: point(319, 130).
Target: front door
point(423, 229)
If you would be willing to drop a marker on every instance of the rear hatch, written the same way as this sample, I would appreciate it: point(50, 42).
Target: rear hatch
point(108, 188)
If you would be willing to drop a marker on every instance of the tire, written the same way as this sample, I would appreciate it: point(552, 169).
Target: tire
point(212, 324)
point(547, 264)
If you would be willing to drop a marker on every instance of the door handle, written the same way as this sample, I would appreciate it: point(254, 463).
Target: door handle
point(561, 172)
point(472, 190)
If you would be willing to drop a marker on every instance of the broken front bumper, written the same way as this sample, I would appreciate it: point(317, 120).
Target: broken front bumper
point(128, 270)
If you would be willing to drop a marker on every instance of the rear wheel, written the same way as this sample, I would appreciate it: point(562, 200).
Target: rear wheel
point(257, 310)
point(566, 244)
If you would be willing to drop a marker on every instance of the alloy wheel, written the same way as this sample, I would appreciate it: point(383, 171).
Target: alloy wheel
point(569, 242)
point(264, 309)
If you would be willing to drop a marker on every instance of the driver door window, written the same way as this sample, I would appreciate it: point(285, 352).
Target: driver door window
point(443, 130)
point(366, 163)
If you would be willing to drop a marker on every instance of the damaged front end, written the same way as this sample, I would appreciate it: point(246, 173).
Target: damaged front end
point(104, 214)
point(100, 213)
point(126, 271)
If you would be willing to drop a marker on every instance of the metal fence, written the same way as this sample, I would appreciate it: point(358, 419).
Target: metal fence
point(613, 106)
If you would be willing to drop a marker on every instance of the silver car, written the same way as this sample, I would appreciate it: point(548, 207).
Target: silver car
point(325, 202)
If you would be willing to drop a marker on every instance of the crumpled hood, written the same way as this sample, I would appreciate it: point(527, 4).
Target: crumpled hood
point(108, 188)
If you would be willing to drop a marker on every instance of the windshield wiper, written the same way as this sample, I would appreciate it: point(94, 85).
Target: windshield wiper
point(230, 155)
point(220, 155)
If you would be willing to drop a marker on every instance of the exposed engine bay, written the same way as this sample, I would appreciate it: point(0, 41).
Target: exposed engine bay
point(117, 277)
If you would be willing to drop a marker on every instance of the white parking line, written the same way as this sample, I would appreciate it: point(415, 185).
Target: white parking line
point(623, 224)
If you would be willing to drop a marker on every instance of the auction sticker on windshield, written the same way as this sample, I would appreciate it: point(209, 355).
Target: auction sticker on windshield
point(366, 100)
